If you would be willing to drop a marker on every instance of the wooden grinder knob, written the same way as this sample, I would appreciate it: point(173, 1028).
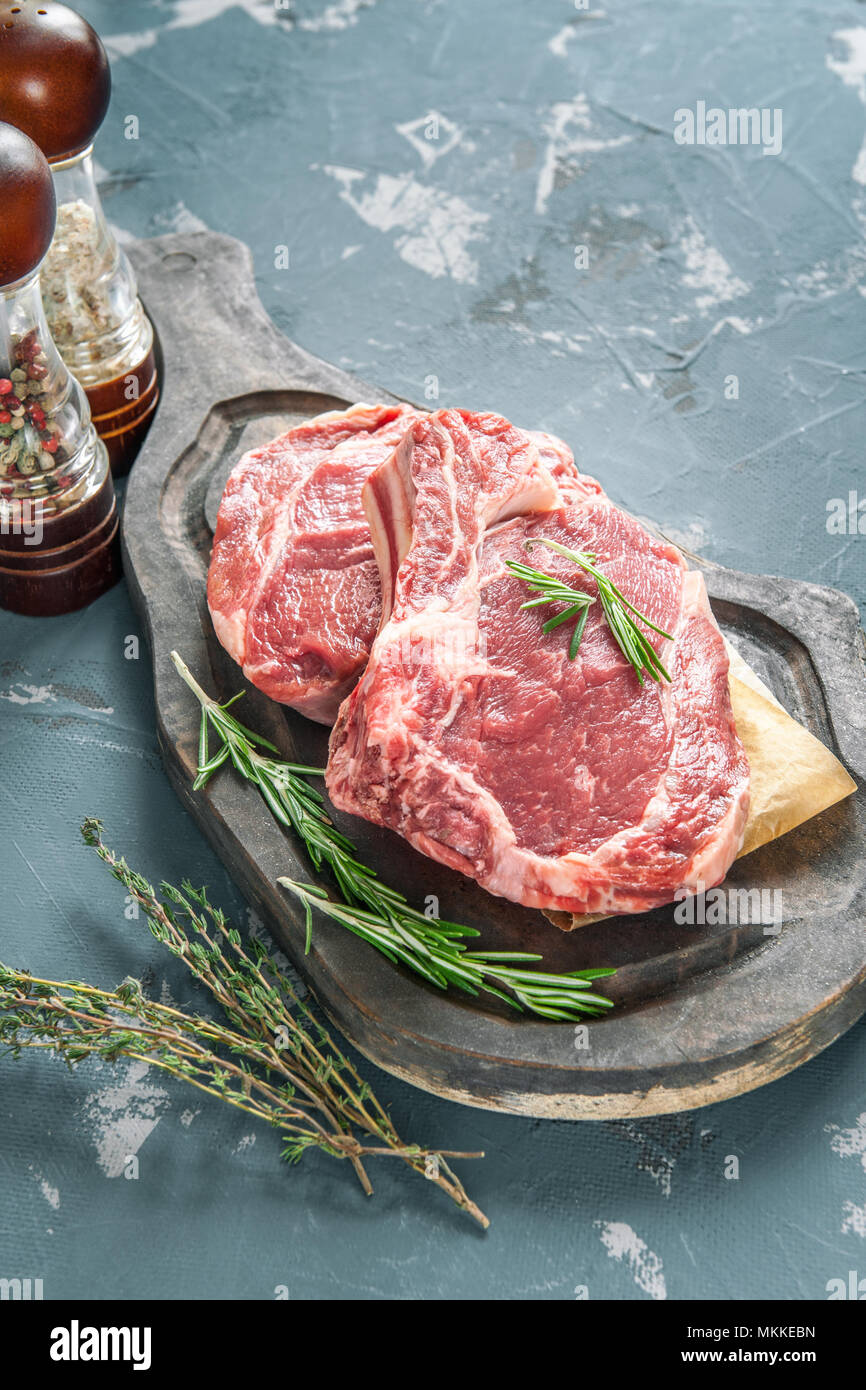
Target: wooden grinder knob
point(56, 79)
point(27, 206)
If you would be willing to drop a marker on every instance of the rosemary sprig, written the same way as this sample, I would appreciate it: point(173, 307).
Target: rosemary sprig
point(274, 1060)
point(553, 590)
point(634, 644)
point(379, 914)
point(433, 949)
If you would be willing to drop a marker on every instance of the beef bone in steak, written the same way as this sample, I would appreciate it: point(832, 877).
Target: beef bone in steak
point(293, 586)
point(556, 783)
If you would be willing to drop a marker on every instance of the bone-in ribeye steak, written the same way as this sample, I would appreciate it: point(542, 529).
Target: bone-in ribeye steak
point(557, 784)
point(293, 587)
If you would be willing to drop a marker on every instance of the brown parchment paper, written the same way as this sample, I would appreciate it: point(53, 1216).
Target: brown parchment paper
point(793, 776)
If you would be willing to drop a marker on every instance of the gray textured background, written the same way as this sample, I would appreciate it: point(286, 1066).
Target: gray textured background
point(454, 259)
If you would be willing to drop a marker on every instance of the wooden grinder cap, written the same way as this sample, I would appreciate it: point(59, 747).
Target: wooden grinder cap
point(27, 203)
point(56, 79)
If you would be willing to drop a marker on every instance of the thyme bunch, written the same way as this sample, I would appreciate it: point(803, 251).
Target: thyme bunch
point(273, 1058)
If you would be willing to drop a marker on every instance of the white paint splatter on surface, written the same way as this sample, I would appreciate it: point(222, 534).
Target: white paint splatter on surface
point(853, 1219)
point(561, 39)
point(558, 45)
point(624, 1244)
point(707, 270)
point(824, 280)
point(567, 138)
point(28, 694)
point(744, 326)
point(188, 1116)
point(433, 228)
point(560, 342)
point(246, 1142)
point(852, 70)
point(187, 14)
point(51, 1194)
point(334, 17)
point(179, 219)
point(122, 1116)
point(127, 45)
point(851, 1143)
point(22, 693)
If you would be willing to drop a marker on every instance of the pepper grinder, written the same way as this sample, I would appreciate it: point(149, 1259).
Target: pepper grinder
point(56, 86)
point(59, 543)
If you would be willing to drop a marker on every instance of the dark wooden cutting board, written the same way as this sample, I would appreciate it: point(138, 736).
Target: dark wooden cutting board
point(702, 1013)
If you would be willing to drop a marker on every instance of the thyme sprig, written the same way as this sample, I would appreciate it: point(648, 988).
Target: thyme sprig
point(274, 1059)
point(632, 642)
point(379, 914)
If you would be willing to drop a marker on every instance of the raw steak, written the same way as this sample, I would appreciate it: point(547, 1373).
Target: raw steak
point(557, 784)
point(293, 587)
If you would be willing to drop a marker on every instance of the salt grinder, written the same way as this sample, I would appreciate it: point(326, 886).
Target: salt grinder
point(58, 520)
point(55, 86)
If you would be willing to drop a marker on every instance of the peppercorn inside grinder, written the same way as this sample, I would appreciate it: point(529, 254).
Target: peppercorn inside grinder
point(59, 534)
point(56, 86)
